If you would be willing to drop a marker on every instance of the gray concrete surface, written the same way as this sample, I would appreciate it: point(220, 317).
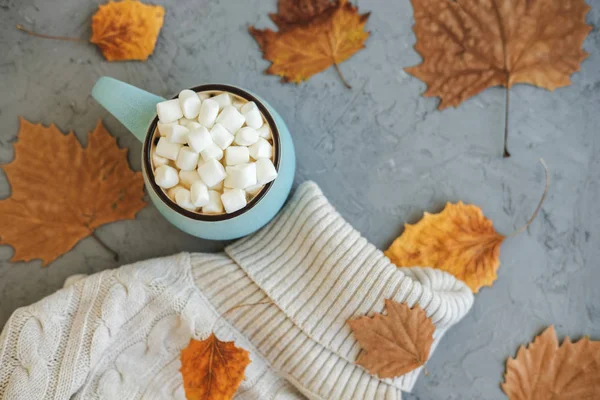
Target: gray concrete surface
point(381, 152)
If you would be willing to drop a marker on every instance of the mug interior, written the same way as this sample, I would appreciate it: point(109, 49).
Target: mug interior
point(147, 156)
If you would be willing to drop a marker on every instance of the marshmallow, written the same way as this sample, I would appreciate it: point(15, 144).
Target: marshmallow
point(246, 136)
point(173, 191)
point(208, 113)
point(253, 190)
point(190, 103)
point(187, 160)
point(169, 111)
point(177, 134)
point(252, 114)
point(199, 139)
point(218, 187)
point(223, 100)
point(231, 119)
point(264, 132)
point(221, 136)
point(203, 96)
point(187, 178)
point(164, 128)
point(235, 155)
point(166, 149)
point(265, 171)
point(240, 176)
point(212, 152)
point(166, 177)
point(191, 125)
point(185, 121)
point(157, 160)
point(212, 172)
point(261, 149)
point(214, 206)
point(199, 194)
point(233, 200)
point(183, 199)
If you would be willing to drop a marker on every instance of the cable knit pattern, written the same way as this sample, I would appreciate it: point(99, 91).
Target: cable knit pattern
point(118, 334)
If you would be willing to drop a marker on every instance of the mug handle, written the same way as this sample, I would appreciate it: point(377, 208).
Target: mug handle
point(133, 107)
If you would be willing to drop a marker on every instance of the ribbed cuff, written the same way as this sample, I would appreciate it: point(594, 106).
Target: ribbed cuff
point(320, 272)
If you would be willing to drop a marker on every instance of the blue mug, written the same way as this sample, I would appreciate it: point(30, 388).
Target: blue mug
point(136, 109)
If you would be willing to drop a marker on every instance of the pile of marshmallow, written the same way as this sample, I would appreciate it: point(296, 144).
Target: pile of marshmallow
point(214, 153)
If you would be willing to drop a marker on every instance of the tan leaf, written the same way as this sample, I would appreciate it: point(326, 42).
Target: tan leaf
point(127, 30)
point(545, 371)
point(62, 192)
point(396, 343)
point(291, 12)
point(470, 45)
point(212, 369)
point(305, 49)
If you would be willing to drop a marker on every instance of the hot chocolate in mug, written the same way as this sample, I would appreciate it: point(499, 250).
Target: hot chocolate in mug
point(136, 110)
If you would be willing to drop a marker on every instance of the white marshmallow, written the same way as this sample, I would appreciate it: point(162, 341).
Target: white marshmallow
point(212, 172)
point(203, 96)
point(173, 191)
point(193, 125)
point(166, 177)
point(265, 132)
point(218, 187)
point(169, 111)
point(253, 190)
point(187, 160)
point(199, 194)
point(265, 171)
point(261, 149)
point(221, 136)
point(233, 200)
point(177, 134)
point(231, 119)
point(187, 178)
point(201, 161)
point(163, 129)
point(190, 103)
point(166, 149)
point(208, 113)
point(214, 205)
point(185, 121)
point(199, 139)
point(246, 136)
point(252, 114)
point(157, 160)
point(183, 199)
point(235, 155)
point(212, 152)
point(223, 100)
point(240, 176)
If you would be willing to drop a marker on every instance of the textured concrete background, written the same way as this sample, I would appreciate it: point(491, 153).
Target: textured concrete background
point(381, 152)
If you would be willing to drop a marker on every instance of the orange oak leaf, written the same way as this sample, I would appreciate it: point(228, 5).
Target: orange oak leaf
point(545, 371)
point(62, 192)
point(459, 240)
point(212, 369)
point(127, 30)
point(302, 50)
point(470, 45)
point(291, 12)
point(396, 343)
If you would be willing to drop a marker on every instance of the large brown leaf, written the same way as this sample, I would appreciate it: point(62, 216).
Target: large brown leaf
point(396, 343)
point(470, 45)
point(62, 192)
point(212, 369)
point(545, 371)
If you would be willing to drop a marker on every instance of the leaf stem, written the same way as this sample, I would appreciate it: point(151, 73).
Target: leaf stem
point(237, 307)
point(339, 71)
point(106, 247)
point(506, 113)
point(539, 207)
point(40, 35)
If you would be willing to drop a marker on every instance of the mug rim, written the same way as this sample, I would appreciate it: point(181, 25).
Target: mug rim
point(146, 153)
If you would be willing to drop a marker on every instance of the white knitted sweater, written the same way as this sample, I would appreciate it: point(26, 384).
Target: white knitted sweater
point(118, 334)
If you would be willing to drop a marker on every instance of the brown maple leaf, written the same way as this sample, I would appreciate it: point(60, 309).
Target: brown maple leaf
point(545, 371)
point(304, 49)
point(396, 343)
point(212, 369)
point(62, 192)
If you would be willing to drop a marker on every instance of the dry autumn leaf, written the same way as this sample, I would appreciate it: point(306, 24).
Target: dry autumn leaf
point(546, 371)
point(290, 12)
point(396, 343)
point(468, 45)
point(312, 44)
point(212, 369)
point(62, 192)
point(125, 30)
